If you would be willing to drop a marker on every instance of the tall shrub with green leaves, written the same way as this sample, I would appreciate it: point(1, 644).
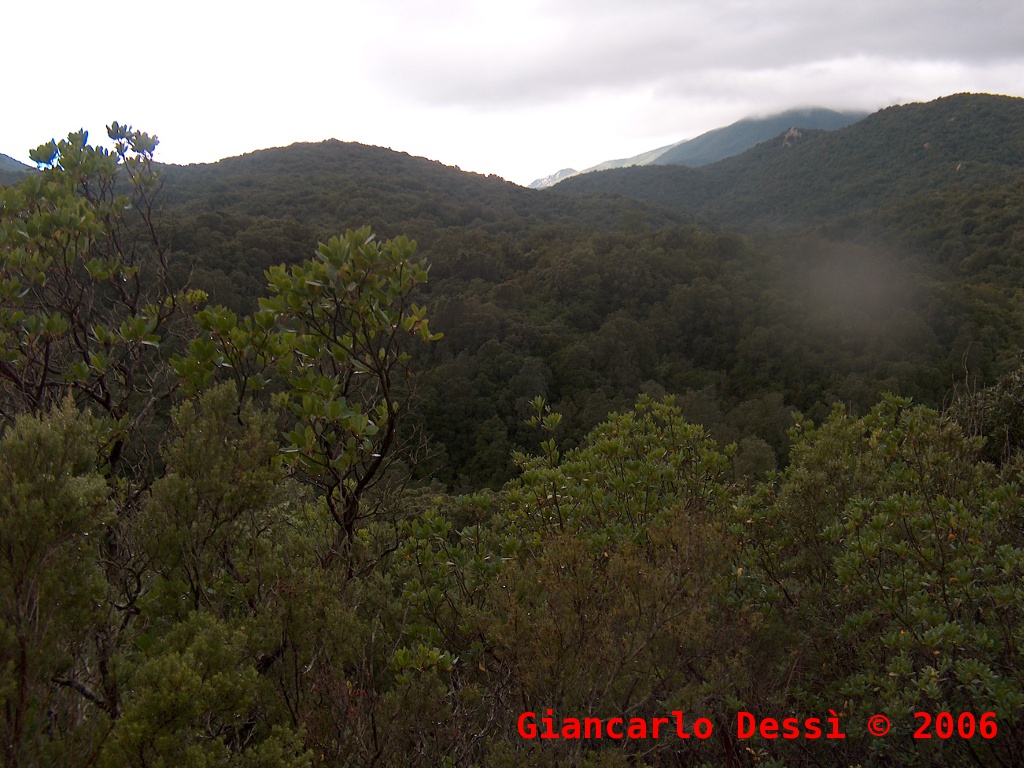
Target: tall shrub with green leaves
point(87, 291)
point(587, 585)
point(57, 695)
point(329, 344)
point(889, 560)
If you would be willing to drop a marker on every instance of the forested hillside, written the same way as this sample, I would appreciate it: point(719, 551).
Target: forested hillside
point(589, 300)
point(738, 137)
point(334, 183)
point(806, 177)
point(11, 170)
point(572, 479)
point(721, 143)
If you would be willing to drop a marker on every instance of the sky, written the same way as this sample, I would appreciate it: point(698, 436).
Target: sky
point(517, 88)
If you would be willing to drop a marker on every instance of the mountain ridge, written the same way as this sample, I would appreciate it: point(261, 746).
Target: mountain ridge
point(720, 143)
point(343, 184)
point(8, 163)
point(807, 176)
point(12, 170)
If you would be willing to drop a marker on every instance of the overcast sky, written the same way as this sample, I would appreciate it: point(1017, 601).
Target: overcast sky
point(519, 88)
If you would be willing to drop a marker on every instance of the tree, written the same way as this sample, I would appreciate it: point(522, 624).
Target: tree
point(197, 700)
point(88, 300)
point(87, 294)
point(585, 585)
point(889, 561)
point(54, 702)
point(995, 413)
point(328, 343)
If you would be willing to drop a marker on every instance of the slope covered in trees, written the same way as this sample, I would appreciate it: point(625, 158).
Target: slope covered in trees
point(228, 454)
point(334, 183)
point(738, 137)
point(589, 300)
point(965, 141)
point(721, 143)
point(11, 171)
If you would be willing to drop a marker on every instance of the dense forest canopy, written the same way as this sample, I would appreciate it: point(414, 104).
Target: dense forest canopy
point(907, 285)
point(328, 455)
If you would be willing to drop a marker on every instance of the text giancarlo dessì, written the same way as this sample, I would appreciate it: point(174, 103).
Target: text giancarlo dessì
point(747, 726)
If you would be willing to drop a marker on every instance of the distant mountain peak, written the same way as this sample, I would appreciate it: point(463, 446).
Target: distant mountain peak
point(800, 176)
point(737, 138)
point(721, 143)
point(554, 178)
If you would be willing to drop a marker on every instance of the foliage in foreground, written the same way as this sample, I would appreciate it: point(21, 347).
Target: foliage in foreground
point(880, 573)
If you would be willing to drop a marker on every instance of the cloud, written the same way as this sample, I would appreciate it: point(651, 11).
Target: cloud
point(515, 87)
point(491, 55)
